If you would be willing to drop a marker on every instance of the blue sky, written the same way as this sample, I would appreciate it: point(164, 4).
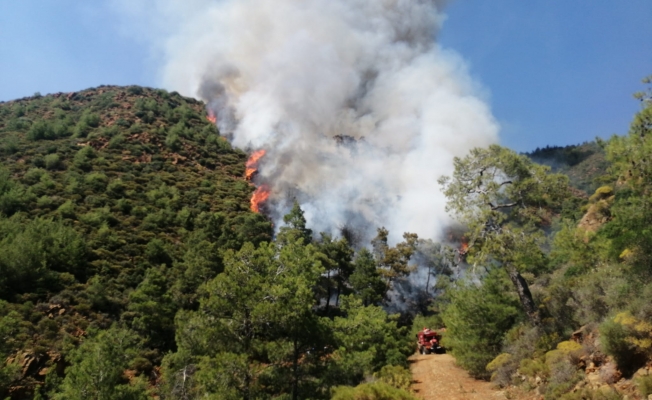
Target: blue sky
point(556, 72)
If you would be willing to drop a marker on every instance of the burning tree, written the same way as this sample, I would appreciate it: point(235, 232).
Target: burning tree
point(505, 200)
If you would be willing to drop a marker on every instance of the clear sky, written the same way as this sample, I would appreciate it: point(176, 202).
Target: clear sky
point(556, 72)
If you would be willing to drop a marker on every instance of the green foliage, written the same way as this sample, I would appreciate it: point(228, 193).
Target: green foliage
point(87, 221)
point(97, 368)
point(644, 384)
point(584, 164)
point(263, 294)
point(151, 310)
point(396, 376)
point(41, 130)
point(477, 319)
point(52, 162)
point(295, 226)
point(368, 340)
point(371, 391)
point(34, 255)
point(628, 340)
point(506, 200)
point(10, 335)
point(366, 280)
point(393, 261)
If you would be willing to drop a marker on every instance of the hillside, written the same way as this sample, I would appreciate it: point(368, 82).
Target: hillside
point(584, 164)
point(96, 188)
point(132, 266)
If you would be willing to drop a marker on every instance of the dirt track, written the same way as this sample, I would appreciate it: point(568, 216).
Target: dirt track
point(436, 377)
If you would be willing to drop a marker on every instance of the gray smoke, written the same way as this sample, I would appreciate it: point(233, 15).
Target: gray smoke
point(358, 106)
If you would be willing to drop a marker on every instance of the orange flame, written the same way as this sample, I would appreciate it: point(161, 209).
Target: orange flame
point(252, 164)
point(260, 196)
point(211, 117)
point(464, 248)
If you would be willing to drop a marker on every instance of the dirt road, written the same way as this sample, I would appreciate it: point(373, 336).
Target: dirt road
point(436, 377)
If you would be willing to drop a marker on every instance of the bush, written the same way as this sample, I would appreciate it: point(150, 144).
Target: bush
point(135, 90)
point(67, 209)
point(52, 162)
point(97, 181)
point(83, 158)
point(628, 340)
point(10, 145)
point(172, 141)
point(396, 376)
point(371, 391)
point(602, 193)
point(644, 384)
point(41, 130)
point(117, 141)
point(477, 320)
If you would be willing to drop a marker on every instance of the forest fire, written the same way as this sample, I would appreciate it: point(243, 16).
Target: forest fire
point(252, 164)
point(464, 248)
point(259, 197)
point(211, 117)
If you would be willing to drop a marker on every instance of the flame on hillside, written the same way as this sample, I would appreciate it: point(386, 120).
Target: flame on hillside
point(259, 197)
point(211, 117)
point(252, 164)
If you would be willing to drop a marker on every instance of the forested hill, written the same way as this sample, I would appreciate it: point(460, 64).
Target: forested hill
point(584, 164)
point(97, 188)
point(131, 266)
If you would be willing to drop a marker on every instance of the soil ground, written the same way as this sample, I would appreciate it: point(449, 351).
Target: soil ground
point(436, 377)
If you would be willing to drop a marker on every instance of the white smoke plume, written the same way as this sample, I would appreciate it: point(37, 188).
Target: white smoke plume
point(291, 76)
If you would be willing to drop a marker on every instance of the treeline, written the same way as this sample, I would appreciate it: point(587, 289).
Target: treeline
point(555, 303)
point(261, 328)
point(584, 164)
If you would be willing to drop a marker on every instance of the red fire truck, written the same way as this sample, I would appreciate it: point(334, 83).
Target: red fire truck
point(428, 341)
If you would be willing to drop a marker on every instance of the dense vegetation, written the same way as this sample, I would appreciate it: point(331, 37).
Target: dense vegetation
point(131, 265)
point(554, 302)
point(584, 164)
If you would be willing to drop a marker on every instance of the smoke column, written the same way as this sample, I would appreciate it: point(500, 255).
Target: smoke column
point(289, 76)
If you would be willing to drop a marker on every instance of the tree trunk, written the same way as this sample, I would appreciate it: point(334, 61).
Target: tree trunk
point(524, 295)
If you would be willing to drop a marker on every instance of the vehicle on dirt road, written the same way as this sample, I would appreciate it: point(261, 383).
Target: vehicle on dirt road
point(428, 341)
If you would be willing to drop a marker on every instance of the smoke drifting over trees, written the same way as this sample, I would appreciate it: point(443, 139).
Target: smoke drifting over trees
point(289, 76)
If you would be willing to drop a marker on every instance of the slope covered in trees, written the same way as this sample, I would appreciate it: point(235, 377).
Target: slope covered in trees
point(555, 303)
point(131, 265)
point(584, 164)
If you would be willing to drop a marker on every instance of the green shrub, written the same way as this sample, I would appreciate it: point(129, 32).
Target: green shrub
point(395, 375)
point(135, 90)
point(116, 188)
point(52, 162)
point(117, 141)
point(33, 176)
point(628, 340)
point(477, 320)
point(45, 202)
point(533, 368)
point(10, 145)
point(67, 209)
point(97, 181)
point(605, 393)
point(602, 193)
point(644, 385)
point(83, 158)
point(497, 365)
point(41, 130)
point(172, 141)
point(371, 391)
